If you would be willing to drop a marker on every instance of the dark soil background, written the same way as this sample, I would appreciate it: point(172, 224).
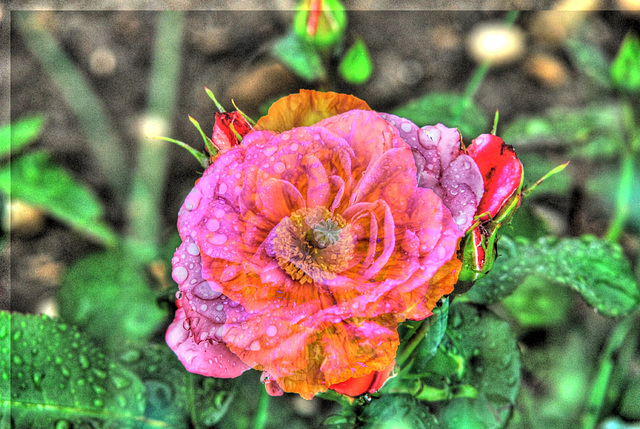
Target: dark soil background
point(414, 52)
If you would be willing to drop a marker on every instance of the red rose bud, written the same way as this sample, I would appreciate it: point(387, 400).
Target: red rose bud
point(502, 173)
point(228, 130)
point(369, 383)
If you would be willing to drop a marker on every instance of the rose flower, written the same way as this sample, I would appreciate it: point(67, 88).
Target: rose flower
point(305, 246)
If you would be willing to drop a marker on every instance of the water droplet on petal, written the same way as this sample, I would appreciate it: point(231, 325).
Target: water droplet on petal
point(272, 330)
point(270, 150)
point(180, 274)
point(279, 167)
point(213, 225)
point(222, 188)
point(193, 249)
point(193, 199)
point(406, 127)
point(218, 239)
point(255, 346)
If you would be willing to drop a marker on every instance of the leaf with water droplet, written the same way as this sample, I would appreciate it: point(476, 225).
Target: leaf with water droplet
point(397, 411)
point(107, 295)
point(595, 268)
point(53, 392)
point(489, 366)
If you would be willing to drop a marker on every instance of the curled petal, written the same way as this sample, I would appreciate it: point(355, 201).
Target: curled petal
point(307, 108)
point(501, 169)
point(208, 358)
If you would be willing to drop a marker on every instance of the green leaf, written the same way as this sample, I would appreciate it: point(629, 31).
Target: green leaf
point(356, 66)
point(538, 303)
point(300, 57)
point(429, 345)
point(442, 108)
point(594, 131)
point(595, 268)
point(22, 132)
point(492, 365)
point(590, 60)
point(397, 412)
point(55, 377)
point(625, 69)
point(106, 294)
point(37, 180)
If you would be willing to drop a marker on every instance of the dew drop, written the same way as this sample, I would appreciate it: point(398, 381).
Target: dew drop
point(270, 150)
point(218, 239)
point(219, 213)
point(17, 360)
point(180, 274)
point(98, 402)
point(406, 127)
point(37, 380)
point(193, 249)
point(272, 330)
point(279, 167)
point(65, 371)
point(193, 199)
point(84, 362)
point(213, 225)
point(222, 188)
point(255, 346)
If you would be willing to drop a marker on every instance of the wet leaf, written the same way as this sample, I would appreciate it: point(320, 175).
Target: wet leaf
point(356, 66)
point(594, 131)
point(625, 69)
point(595, 268)
point(442, 108)
point(34, 178)
point(165, 381)
point(300, 57)
point(397, 412)
point(107, 295)
point(55, 375)
point(429, 345)
point(20, 133)
point(538, 303)
point(491, 365)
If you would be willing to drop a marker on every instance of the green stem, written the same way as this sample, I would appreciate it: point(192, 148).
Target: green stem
point(477, 77)
point(601, 380)
point(623, 199)
point(102, 137)
point(415, 340)
point(263, 408)
point(148, 181)
point(191, 400)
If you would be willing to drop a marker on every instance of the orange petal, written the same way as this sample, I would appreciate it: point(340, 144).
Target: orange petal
point(307, 108)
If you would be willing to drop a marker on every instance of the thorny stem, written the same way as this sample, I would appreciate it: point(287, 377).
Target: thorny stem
point(478, 76)
point(261, 415)
point(601, 380)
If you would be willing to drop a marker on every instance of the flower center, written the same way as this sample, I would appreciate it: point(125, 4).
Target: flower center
point(312, 245)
